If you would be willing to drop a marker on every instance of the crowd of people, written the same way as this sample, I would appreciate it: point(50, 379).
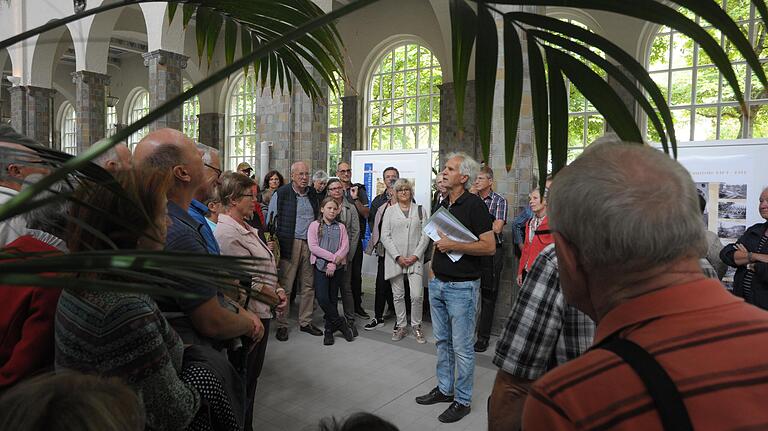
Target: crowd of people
point(618, 321)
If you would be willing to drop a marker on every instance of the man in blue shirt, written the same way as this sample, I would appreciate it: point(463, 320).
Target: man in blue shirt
point(197, 209)
point(202, 319)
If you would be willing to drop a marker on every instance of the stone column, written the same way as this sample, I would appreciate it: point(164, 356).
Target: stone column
point(39, 114)
point(90, 107)
point(165, 82)
point(211, 129)
point(310, 126)
point(18, 108)
point(349, 126)
point(450, 141)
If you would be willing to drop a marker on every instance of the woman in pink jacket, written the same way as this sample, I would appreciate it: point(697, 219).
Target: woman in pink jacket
point(328, 243)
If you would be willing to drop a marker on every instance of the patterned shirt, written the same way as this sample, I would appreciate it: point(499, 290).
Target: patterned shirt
point(497, 207)
point(542, 331)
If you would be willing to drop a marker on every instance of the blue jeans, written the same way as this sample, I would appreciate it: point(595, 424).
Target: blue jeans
point(454, 306)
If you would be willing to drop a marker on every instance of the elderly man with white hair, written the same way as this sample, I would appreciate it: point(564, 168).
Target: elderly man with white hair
point(673, 349)
point(295, 205)
point(454, 290)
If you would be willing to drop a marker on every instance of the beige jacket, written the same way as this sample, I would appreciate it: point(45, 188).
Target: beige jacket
point(403, 236)
point(236, 240)
point(348, 217)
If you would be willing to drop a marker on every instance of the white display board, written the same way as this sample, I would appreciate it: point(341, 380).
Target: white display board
point(731, 175)
point(368, 169)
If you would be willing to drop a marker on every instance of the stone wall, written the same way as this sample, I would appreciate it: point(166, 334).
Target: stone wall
point(90, 107)
point(165, 82)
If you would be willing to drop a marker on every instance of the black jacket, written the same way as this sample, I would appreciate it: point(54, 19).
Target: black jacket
point(750, 240)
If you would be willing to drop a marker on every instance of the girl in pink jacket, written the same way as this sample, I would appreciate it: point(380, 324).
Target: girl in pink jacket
point(329, 245)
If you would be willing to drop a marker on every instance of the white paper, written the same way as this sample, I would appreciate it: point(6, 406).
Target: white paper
point(443, 221)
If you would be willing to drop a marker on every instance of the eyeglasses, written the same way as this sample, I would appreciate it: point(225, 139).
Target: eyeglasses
point(335, 188)
point(343, 171)
point(248, 196)
point(404, 190)
point(217, 170)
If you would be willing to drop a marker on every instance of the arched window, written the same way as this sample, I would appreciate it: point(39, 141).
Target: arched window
point(702, 104)
point(334, 126)
point(403, 105)
point(242, 136)
point(111, 124)
point(138, 108)
point(68, 129)
point(190, 111)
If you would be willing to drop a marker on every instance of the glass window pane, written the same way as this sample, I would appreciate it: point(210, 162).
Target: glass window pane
point(705, 128)
point(576, 100)
point(682, 51)
point(731, 122)
point(412, 56)
point(681, 87)
point(411, 83)
point(662, 81)
point(595, 128)
point(659, 55)
point(682, 120)
point(707, 85)
point(399, 111)
point(576, 131)
point(400, 59)
point(738, 9)
point(410, 110)
point(704, 58)
point(741, 73)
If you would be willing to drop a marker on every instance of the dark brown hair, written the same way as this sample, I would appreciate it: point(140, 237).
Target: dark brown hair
point(71, 402)
point(269, 175)
point(117, 214)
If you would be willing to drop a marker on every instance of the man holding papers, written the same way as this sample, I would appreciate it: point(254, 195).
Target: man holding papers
point(463, 231)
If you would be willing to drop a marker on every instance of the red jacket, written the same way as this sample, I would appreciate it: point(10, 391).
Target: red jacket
point(26, 323)
point(531, 249)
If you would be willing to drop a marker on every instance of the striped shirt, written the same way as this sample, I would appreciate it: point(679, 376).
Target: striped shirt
point(497, 207)
point(712, 344)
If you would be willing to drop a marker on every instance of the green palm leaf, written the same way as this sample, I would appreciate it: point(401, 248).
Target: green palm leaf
point(558, 114)
point(485, 75)
point(513, 89)
point(463, 29)
point(540, 109)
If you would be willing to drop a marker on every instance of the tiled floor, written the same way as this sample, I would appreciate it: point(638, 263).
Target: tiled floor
point(304, 381)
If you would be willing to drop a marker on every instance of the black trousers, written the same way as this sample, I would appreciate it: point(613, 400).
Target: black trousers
point(357, 276)
point(384, 294)
point(255, 364)
point(489, 291)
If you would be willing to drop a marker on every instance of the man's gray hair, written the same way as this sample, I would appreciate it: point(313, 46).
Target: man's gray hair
point(208, 152)
point(628, 207)
point(468, 167)
point(109, 155)
point(320, 176)
point(52, 217)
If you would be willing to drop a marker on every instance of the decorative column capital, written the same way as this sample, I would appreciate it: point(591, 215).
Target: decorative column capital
point(40, 91)
point(91, 78)
point(162, 57)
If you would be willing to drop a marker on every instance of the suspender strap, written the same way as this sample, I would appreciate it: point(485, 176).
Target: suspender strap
point(667, 399)
point(542, 232)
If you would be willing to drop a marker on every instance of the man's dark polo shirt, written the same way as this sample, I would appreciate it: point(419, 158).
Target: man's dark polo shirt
point(472, 212)
point(185, 235)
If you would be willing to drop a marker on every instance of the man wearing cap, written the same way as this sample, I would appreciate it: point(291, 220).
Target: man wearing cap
point(245, 169)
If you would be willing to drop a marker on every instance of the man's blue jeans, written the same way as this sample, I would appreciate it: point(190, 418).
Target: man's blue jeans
point(454, 306)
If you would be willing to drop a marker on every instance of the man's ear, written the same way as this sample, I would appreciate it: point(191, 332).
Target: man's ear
point(181, 173)
point(574, 280)
point(14, 170)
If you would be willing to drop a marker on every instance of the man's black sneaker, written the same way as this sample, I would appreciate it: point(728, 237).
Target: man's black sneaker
point(311, 329)
point(353, 327)
point(373, 324)
point(328, 339)
point(433, 397)
point(454, 413)
point(481, 345)
point(345, 329)
point(281, 334)
point(361, 312)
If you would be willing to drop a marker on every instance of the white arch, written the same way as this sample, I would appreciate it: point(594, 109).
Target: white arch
point(577, 15)
point(43, 58)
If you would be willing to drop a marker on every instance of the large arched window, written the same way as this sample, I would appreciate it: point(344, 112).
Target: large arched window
point(403, 105)
point(334, 126)
point(137, 108)
point(702, 104)
point(68, 129)
point(110, 127)
point(242, 136)
point(190, 111)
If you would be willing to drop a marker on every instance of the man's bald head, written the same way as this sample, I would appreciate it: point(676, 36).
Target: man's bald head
point(169, 149)
point(300, 175)
point(115, 159)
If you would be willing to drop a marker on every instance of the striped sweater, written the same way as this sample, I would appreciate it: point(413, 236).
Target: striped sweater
point(125, 335)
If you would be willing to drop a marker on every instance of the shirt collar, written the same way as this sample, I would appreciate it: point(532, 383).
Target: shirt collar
point(226, 220)
point(693, 296)
point(198, 206)
point(177, 212)
point(464, 196)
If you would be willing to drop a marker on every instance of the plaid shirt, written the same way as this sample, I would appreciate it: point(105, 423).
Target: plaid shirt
point(542, 330)
point(497, 207)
